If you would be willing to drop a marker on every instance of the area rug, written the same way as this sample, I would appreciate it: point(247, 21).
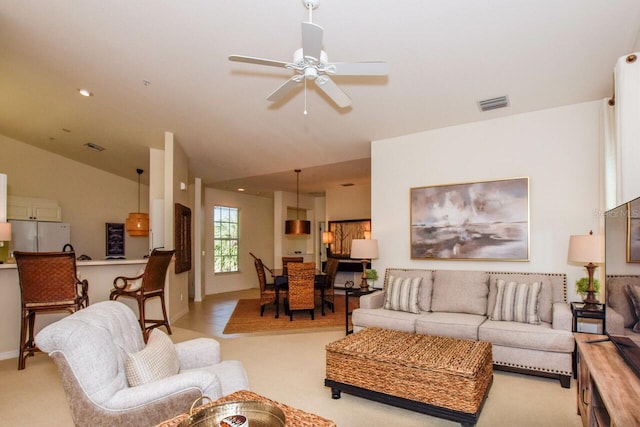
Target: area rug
point(246, 317)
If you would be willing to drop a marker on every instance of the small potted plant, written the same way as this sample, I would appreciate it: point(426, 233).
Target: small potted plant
point(372, 276)
point(583, 284)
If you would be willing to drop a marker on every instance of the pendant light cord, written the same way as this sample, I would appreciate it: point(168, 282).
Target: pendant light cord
point(139, 173)
point(298, 194)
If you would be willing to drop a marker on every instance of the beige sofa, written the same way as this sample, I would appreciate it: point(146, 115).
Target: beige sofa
point(620, 313)
point(460, 303)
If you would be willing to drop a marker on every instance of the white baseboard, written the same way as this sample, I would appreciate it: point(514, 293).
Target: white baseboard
point(9, 355)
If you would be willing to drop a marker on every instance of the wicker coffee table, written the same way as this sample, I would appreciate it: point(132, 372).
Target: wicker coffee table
point(440, 376)
point(293, 417)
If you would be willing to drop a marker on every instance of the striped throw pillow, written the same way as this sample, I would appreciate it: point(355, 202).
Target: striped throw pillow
point(402, 294)
point(517, 302)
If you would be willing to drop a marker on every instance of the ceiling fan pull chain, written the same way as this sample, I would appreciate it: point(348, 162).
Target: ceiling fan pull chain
point(305, 97)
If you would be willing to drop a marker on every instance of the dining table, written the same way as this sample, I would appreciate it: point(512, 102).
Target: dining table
point(281, 281)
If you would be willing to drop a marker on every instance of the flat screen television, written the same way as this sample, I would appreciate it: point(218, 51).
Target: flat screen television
point(622, 258)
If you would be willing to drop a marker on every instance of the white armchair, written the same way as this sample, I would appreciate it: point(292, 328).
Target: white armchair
point(91, 349)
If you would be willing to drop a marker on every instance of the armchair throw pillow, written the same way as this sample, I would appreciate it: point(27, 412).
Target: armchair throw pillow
point(157, 360)
point(402, 294)
point(517, 302)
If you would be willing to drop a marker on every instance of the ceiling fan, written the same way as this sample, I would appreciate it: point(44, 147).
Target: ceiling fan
point(311, 63)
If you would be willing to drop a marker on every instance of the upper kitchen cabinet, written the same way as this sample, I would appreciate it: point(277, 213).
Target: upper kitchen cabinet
point(33, 209)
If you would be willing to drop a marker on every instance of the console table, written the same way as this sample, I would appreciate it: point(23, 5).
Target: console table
point(608, 389)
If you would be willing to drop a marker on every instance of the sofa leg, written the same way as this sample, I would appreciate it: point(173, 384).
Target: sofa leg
point(565, 381)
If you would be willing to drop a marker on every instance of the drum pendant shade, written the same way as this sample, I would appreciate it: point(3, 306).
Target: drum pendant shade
point(297, 227)
point(137, 223)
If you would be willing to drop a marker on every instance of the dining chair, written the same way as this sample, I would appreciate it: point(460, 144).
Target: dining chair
point(267, 290)
point(301, 279)
point(288, 259)
point(149, 284)
point(330, 271)
point(48, 283)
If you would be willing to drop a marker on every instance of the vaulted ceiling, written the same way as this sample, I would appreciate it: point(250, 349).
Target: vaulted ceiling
point(156, 66)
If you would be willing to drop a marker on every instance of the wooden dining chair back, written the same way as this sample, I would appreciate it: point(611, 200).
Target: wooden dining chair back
point(149, 284)
point(301, 279)
point(267, 290)
point(288, 259)
point(48, 283)
point(330, 271)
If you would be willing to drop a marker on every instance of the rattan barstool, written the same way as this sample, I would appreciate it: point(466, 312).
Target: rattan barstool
point(48, 283)
point(152, 286)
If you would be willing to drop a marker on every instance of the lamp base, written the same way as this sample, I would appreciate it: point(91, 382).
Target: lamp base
point(364, 285)
point(591, 302)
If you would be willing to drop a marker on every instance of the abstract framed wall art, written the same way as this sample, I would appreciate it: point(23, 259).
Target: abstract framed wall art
point(633, 231)
point(482, 221)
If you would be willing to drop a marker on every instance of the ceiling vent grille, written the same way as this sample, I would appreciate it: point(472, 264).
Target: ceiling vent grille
point(493, 103)
point(94, 147)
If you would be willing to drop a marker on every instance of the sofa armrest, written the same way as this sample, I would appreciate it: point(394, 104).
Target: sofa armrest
point(615, 321)
point(197, 353)
point(562, 318)
point(373, 300)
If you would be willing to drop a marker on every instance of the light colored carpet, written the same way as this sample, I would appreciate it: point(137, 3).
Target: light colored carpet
point(290, 368)
point(246, 318)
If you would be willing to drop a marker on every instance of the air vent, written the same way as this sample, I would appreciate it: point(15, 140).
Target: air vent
point(348, 184)
point(94, 147)
point(493, 103)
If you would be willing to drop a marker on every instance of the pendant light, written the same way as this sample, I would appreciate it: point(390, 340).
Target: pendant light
point(137, 223)
point(297, 227)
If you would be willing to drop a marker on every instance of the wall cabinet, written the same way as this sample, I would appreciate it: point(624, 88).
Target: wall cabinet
point(29, 208)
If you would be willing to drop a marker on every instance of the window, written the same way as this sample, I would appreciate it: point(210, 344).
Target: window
point(225, 239)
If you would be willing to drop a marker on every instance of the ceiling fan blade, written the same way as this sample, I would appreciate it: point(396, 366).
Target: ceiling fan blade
point(259, 61)
point(312, 40)
point(284, 89)
point(332, 90)
point(360, 68)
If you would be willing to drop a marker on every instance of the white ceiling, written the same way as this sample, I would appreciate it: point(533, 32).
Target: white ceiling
point(444, 57)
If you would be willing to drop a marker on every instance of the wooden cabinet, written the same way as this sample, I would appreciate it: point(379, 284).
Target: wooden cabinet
point(608, 390)
point(28, 208)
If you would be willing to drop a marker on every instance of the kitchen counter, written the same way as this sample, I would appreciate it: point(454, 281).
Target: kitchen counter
point(99, 274)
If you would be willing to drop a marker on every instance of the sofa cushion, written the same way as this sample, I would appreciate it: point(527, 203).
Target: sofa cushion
point(634, 294)
point(449, 286)
point(517, 302)
point(157, 360)
point(524, 335)
point(455, 325)
point(619, 299)
point(426, 285)
point(386, 319)
point(402, 294)
point(545, 299)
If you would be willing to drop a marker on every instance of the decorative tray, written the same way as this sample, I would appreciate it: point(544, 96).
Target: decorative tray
point(258, 414)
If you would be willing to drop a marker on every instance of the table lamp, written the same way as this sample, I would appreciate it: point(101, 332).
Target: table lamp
point(588, 249)
point(327, 240)
point(5, 236)
point(366, 250)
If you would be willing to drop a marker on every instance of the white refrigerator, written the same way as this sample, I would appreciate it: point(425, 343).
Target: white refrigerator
point(37, 236)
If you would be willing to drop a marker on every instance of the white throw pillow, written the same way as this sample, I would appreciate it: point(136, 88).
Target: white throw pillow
point(402, 294)
point(157, 360)
point(517, 302)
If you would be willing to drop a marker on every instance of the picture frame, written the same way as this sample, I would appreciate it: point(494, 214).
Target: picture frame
point(182, 235)
point(114, 240)
point(344, 232)
point(633, 231)
point(480, 221)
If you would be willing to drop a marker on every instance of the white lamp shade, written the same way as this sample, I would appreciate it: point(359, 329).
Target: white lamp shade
point(5, 232)
point(586, 249)
point(364, 248)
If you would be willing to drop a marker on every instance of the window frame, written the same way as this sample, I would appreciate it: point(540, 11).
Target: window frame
point(220, 218)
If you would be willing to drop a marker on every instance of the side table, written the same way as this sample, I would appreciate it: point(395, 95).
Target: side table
point(352, 292)
point(580, 312)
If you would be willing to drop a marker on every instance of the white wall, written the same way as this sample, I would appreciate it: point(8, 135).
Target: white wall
point(256, 236)
point(89, 197)
point(556, 148)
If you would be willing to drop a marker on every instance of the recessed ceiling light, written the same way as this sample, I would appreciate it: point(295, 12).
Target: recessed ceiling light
point(241, 189)
point(85, 92)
